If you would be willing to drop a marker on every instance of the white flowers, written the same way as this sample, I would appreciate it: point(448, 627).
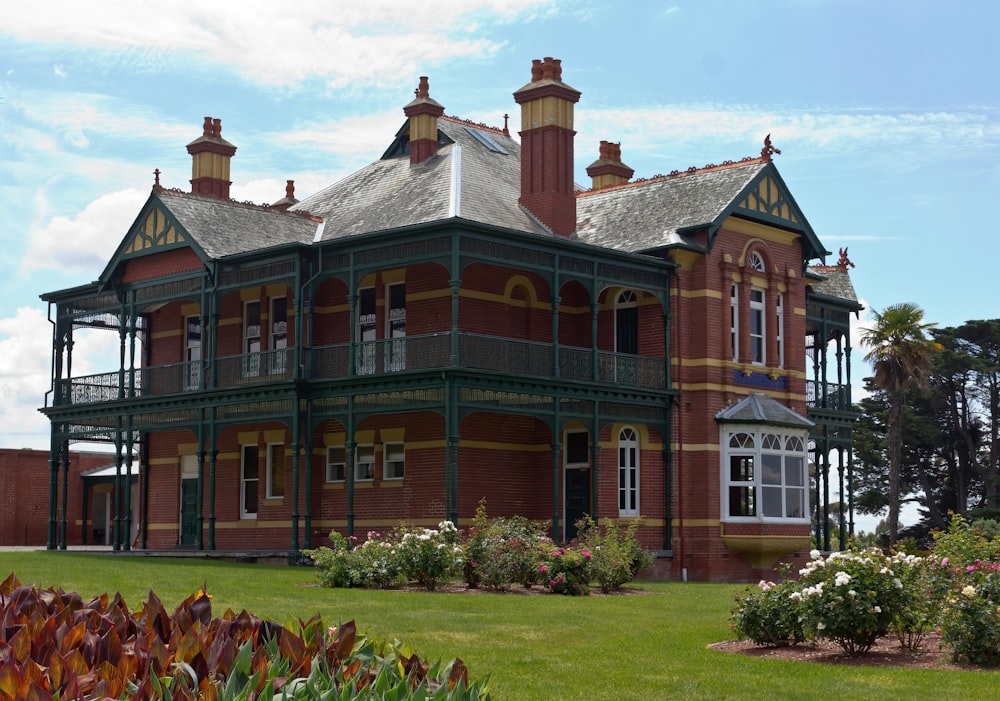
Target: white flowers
point(969, 591)
point(815, 554)
point(842, 579)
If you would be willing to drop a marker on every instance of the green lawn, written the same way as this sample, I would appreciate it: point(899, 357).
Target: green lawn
point(539, 647)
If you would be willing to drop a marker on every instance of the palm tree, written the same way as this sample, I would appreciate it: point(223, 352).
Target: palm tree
point(899, 351)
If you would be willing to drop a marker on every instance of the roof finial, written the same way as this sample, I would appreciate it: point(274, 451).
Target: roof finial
point(156, 179)
point(768, 151)
point(844, 261)
point(506, 131)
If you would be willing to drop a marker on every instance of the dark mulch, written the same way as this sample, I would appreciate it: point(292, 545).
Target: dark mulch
point(887, 652)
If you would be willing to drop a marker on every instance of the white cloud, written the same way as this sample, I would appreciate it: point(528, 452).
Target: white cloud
point(25, 361)
point(357, 41)
point(885, 135)
point(25, 373)
point(84, 243)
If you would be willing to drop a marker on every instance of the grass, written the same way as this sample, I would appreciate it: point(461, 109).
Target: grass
point(538, 647)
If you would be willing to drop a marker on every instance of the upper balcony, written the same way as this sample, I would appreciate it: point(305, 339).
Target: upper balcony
point(428, 352)
point(828, 395)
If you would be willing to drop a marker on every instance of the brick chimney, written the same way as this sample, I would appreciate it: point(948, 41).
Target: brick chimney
point(547, 146)
point(608, 170)
point(288, 200)
point(423, 112)
point(210, 155)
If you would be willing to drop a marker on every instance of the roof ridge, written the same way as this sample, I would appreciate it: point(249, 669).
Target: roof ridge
point(693, 170)
point(477, 125)
point(246, 204)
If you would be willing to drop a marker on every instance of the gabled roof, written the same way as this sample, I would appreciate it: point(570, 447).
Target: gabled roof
point(212, 227)
point(760, 408)
point(465, 179)
point(225, 227)
point(652, 214)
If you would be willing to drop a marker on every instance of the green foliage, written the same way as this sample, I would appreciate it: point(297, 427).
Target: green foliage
point(374, 564)
point(500, 552)
point(428, 556)
point(57, 646)
point(617, 557)
point(769, 616)
point(961, 544)
point(971, 617)
point(567, 571)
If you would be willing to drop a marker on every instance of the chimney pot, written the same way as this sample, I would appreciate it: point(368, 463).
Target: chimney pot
point(216, 128)
point(290, 189)
point(536, 70)
point(423, 90)
point(207, 128)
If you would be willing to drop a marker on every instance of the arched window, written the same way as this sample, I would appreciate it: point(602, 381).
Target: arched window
point(628, 472)
point(755, 262)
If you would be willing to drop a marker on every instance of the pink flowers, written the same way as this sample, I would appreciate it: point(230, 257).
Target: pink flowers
point(543, 569)
point(585, 553)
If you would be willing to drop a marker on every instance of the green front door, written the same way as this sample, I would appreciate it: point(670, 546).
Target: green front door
point(189, 511)
point(577, 498)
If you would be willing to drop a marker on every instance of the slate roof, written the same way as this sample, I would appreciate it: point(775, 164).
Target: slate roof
point(758, 408)
point(224, 227)
point(655, 213)
point(464, 179)
point(832, 281)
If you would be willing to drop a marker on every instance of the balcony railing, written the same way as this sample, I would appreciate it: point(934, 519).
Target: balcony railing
point(428, 352)
point(829, 395)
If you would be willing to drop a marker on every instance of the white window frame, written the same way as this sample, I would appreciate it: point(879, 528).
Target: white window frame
point(734, 320)
point(756, 263)
point(628, 471)
point(367, 348)
point(246, 481)
point(193, 351)
point(332, 463)
point(270, 492)
point(362, 473)
point(393, 461)
point(251, 341)
point(758, 317)
point(395, 329)
point(278, 338)
point(779, 332)
point(778, 481)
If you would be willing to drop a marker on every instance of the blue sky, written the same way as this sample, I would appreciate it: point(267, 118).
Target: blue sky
point(886, 113)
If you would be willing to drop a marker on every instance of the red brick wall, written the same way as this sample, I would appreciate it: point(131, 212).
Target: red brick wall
point(172, 262)
point(24, 495)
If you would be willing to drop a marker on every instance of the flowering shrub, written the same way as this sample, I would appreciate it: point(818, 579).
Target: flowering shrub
point(770, 616)
point(333, 563)
point(426, 555)
point(567, 571)
point(970, 625)
point(617, 555)
point(850, 598)
point(376, 563)
point(502, 551)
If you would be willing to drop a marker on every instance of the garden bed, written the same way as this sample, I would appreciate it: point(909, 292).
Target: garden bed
point(886, 652)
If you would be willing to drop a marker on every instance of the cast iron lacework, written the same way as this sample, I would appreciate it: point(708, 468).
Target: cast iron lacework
point(155, 232)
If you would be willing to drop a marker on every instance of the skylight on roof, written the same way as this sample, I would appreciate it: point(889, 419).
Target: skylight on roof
point(486, 141)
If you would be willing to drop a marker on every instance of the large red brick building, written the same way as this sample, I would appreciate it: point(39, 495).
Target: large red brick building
point(459, 320)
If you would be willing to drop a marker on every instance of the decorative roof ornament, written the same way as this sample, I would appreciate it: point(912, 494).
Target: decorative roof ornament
point(768, 151)
point(844, 263)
